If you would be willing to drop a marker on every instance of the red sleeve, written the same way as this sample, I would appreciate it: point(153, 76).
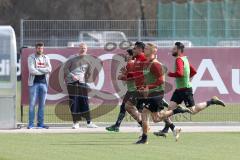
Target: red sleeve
point(134, 75)
point(179, 69)
point(156, 70)
point(130, 74)
point(192, 71)
point(136, 71)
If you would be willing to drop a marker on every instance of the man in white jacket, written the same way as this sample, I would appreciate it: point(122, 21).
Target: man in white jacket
point(39, 67)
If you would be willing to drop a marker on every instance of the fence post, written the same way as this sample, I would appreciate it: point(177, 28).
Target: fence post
point(226, 16)
point(21, 32)
point(190, 14)
point(139, 29)
point(174, 20)
point(208, 22)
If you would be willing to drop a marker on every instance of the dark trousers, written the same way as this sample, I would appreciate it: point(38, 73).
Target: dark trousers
point(78, 101)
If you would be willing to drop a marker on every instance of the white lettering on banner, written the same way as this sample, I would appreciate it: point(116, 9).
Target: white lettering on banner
point(7, 67)
point(4, 67)
point(216, 78)
point(236, 80)
point(18, 68)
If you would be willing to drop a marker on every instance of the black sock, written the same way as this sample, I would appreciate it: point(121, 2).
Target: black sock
point(121, 115)
point(140, 123)
point(177, 110)
point(120, 119)
point(122, 108)
point(172, 126)
point(144, 136)
point(166, 126)
point(165, 129)
point(209, 103)
point(88, 122)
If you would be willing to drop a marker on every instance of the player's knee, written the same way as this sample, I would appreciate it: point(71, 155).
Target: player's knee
point(128, 107)
point(160, 118)
point(144, 120)
point(155, 118)
point(144, 116)
point(172, 106)
point(144, 111)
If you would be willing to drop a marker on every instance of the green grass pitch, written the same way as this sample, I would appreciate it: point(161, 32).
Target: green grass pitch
point(212, 114)
point(119, 146)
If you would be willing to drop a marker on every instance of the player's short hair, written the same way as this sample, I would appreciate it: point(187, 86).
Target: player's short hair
point(82, 44)
point(140, 45)
point(152, 46)
point(180, 46)
point(130, 52)
point(39, 44)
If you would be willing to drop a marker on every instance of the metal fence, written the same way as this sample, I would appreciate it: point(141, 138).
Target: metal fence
point(163, 32)
point(204, 22)
point(96, 33)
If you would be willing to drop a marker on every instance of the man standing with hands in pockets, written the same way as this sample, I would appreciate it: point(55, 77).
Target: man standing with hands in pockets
point(77, 71)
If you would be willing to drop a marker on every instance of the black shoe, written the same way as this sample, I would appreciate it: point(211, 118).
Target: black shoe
point(217, 101)
point(113, 128)
point(142, 141)
point(165, 103)
point(160, 133)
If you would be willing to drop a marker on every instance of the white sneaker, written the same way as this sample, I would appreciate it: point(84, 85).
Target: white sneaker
point(75, 126)
point(92, 125)
point(176, 133)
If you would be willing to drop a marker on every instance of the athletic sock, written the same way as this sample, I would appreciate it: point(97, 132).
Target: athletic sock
point(120, 119)
point(140, 123)
point(209, 103)
point(165, 129)
point(177, 110)
point(172, 126)
point(144, 136)
point(166, 126)
point(121, 115)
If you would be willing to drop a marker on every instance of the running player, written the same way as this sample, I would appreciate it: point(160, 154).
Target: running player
point(131, 87)
point(152, 93)
point(183, 93)
point(135, 75)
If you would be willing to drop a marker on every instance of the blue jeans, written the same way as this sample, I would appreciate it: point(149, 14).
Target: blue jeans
point(37, 92)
